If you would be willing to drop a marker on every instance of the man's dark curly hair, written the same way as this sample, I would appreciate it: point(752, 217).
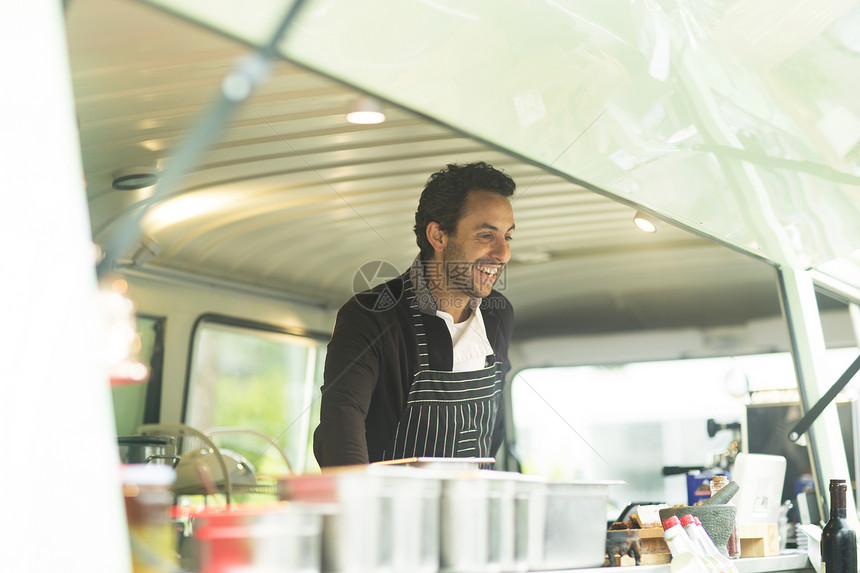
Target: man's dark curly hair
point(445, 194)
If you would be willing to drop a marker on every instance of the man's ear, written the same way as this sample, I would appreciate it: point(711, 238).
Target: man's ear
point(437, 237)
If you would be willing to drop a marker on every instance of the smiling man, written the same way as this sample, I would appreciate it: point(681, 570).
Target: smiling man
point(416, 366)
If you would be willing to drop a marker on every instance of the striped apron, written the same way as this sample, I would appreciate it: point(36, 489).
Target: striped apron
point(447, 414)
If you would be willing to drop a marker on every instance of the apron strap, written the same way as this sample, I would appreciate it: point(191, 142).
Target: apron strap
point(447, 414)
point(418, 323)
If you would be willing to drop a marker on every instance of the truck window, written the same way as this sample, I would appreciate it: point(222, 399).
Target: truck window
point(629, 421)
point(255, 377)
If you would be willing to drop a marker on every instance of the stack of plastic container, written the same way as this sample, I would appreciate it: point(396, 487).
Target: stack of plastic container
point(575, 525)
point(452, 518)
point(279, 537)
point(375, 518)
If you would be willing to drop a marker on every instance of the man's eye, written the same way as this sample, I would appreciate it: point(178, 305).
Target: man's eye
point(509, 238)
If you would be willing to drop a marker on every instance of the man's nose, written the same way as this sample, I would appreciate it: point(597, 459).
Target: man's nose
point(502, 250)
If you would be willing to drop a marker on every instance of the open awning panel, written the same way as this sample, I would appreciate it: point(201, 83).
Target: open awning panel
point(736, 120)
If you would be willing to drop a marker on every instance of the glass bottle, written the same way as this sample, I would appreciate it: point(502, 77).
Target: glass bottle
point(838, 539)
point(733, 546)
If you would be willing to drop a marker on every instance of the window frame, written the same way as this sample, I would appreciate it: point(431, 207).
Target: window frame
point(155, 381)
point(252, 326)
point(149, 404)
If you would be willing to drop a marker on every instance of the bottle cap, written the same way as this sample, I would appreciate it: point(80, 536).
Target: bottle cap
point(687, 519)
point(671, 521)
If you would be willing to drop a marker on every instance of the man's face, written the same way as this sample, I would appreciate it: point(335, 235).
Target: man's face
point(475, 254)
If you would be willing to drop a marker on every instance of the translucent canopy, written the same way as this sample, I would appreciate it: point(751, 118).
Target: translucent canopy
point(738, 120)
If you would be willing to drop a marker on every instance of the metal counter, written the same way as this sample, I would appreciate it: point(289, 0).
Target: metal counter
point(788, 562)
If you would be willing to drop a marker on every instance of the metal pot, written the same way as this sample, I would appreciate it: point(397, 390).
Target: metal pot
point(146, 450)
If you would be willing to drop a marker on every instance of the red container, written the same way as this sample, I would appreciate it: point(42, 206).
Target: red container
point(278, 537)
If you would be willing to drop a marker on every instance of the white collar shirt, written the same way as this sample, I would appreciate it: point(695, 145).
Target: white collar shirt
point(469, 339)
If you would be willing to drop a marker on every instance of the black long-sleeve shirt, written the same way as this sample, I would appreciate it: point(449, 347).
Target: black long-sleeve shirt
point(371, 360)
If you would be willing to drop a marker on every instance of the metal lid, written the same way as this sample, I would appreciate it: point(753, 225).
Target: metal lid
point(143, 440)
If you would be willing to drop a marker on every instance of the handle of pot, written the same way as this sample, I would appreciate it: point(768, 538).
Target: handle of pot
point(173, 459)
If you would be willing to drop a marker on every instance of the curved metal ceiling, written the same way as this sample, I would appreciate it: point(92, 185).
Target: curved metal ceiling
point(291, 198)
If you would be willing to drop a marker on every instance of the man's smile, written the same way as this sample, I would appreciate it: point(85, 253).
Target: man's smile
point(487, 270)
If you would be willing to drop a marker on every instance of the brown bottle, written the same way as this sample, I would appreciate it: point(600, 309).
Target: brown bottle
point(838, 539)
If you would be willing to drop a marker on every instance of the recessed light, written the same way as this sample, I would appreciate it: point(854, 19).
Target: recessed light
point(365, 110)
point(135, 178)
point(645, 222)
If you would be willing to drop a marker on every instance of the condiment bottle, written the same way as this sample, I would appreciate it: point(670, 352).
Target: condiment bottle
point(148, 499)
point(838, 539)
point(685, 558)
point(693, 527)
point(733, 546)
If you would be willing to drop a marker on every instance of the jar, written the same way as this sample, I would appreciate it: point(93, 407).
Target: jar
point(148, 501)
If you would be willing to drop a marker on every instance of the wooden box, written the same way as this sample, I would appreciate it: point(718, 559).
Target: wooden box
point(759, 540)
point(652, 547)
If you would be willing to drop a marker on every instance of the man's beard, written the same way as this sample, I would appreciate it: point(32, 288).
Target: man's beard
point(457, 271)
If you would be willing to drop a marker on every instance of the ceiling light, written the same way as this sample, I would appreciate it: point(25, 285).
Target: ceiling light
point(645, 222)
point(365, 110)
point(135, 178)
